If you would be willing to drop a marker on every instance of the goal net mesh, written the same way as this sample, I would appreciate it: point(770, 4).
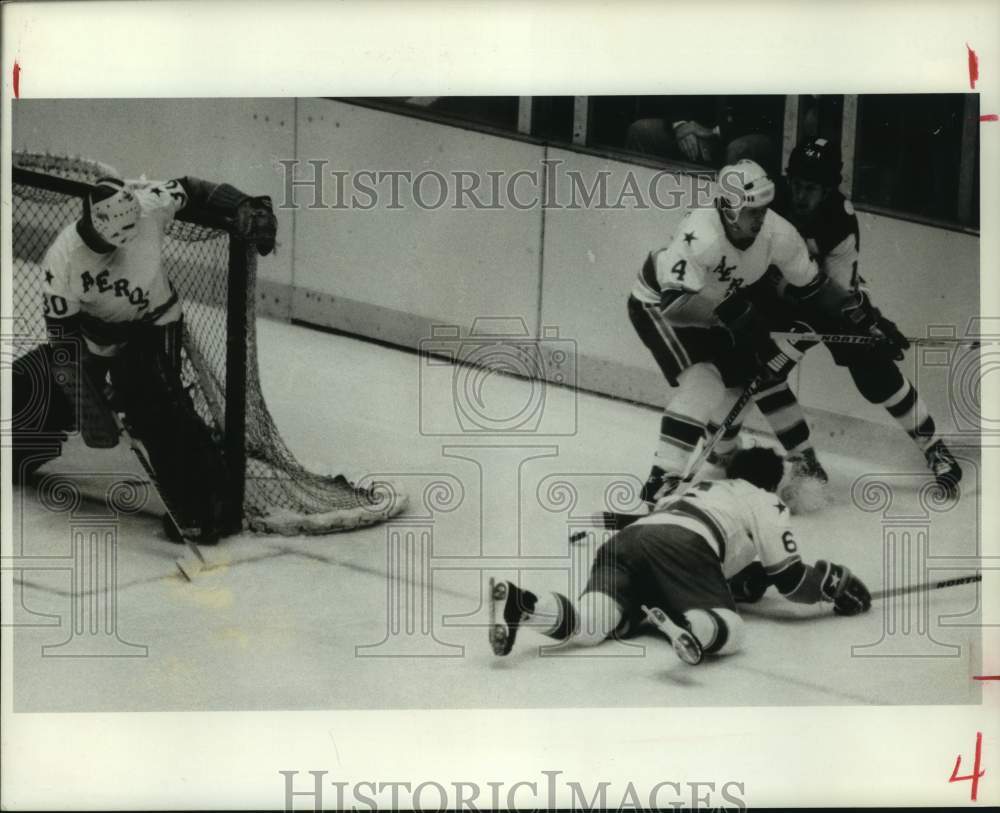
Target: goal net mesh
point(277, 494)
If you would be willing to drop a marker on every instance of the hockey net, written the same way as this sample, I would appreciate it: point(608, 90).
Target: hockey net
point(215, 275)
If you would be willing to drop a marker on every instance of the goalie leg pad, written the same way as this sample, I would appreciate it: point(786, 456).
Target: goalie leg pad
point(189, 464)
point(40, 412)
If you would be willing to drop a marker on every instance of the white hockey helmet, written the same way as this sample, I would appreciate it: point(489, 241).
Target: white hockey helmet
point(114, 211)
point(744, 185)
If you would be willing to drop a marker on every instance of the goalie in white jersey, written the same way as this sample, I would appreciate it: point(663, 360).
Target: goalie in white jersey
point(678, 559)
point(690, 309)
point(115, 326)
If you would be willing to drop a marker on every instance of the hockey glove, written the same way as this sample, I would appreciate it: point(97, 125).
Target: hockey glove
point(256, 223)
point(847, 592)
point(865, 318)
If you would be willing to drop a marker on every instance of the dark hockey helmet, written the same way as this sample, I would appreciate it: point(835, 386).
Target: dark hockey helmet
point(816, 160)
point(759, 465)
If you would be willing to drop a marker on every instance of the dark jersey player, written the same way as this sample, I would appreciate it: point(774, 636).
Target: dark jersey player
point(115, 330)
point(672, 566)
point(810, 200)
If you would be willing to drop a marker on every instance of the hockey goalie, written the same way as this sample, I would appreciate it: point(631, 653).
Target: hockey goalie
point(114, 326)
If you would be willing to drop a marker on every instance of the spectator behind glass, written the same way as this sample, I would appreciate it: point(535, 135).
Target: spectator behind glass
point(711, 130)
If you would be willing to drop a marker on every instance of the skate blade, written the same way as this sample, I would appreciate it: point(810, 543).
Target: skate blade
point(685, 645)
point(688, 649)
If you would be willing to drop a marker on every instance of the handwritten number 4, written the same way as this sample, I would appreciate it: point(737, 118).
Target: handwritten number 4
point(976, 773)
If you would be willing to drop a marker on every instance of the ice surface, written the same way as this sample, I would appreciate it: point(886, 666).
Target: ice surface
point(315, 622)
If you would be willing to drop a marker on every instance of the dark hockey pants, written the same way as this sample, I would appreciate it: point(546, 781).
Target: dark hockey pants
point(147, 388)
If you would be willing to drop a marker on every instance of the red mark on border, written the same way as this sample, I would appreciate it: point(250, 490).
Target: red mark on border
point(976, 773)
point(989, 117)
point(986, 677)
point(17, 80)
point(973, 67)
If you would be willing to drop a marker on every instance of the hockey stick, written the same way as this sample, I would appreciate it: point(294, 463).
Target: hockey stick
point(615, 521)
point(923, 587)
point(850, 338)
point(193, 565)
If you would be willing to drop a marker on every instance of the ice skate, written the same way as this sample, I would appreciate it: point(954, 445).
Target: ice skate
point(685, 645)
point(805, 490)
point(509, 606)
point(945, 468)
point(806, 464)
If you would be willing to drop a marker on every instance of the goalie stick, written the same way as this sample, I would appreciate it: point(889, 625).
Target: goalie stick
point(615, 521)
point(192, 565)
point(852, 338)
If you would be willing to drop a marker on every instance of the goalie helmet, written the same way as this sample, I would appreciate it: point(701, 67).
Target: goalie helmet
point(113, 211)
point(816, 160)
point(744, 185)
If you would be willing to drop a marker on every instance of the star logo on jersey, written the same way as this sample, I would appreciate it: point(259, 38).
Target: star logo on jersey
point(689, 237)
point(781, 507)
point(48, 277)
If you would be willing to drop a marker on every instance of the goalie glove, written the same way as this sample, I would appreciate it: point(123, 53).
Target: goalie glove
point(847, 592)
point(865, 318)
point(256, 223)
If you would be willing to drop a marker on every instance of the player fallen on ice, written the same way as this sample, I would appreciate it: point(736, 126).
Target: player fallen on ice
point(115, 329)
point(690, 308)
point(671, 568)
point(811, 201)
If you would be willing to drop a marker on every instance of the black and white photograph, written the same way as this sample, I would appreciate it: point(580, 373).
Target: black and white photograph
point(537, 432)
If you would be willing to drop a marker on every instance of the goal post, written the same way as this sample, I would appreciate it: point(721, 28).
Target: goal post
point(214, 273)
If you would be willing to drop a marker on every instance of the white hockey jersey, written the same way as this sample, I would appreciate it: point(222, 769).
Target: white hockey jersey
point(738, 520)
point(700, 268)
point(128, 284)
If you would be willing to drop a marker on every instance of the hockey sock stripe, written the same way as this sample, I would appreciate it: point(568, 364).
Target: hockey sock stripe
point(794, 437)
point(680, 431)
point(911, 413)
point(775, 399)
point(898, 407)
point(674, 345)
point(925, 435)
point(721, 633)
point(566, 623)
